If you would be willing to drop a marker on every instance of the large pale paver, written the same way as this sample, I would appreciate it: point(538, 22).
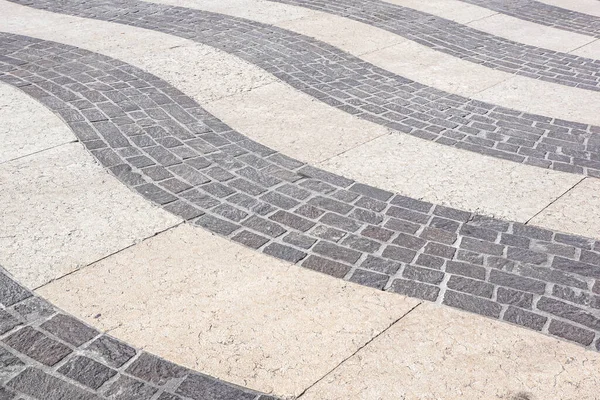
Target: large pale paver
point(530, 33)
point(20, 134)
point(453, 10)
point(591, 7)
point(60, 211)
point(206, 73)
point(421, 63)
point(590, 50)
point(577, 212)
point(453, 177)
point(436, 353)
point(287, 120)
point(228, 311)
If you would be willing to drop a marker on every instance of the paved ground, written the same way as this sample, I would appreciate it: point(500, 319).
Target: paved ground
point(325, 199)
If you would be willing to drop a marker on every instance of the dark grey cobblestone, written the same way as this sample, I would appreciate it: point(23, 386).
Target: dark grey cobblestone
point(50, 355)
point(415, 248)
point(349, 83)
point(545, 14)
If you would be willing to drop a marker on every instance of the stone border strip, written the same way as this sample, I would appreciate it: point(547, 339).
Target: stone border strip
point(465, 42)
point(166, 147)
point(361, 89)
point(46, 354)
point(544, 14)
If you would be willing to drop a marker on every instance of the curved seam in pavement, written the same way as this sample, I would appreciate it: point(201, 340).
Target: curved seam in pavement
point(162, 144)
point(46, 352)
point(368, 92)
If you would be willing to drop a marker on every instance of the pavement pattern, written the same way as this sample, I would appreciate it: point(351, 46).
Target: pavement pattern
point(163, 145)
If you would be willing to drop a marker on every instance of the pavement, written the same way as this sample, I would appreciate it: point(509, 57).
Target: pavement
point(317, 199)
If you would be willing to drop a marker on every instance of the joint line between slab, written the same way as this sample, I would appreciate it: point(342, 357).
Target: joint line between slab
point(357, 350)
point(555, 200)
point(39, 151)
point(109, 255)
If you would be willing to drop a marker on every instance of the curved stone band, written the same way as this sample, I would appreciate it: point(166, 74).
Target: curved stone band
point(359, 88)
point(162, 144)
point(45, 353)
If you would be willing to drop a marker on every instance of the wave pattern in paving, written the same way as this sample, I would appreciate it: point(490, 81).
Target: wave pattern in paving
point(544, 14)
point(162, 144)
point(361, 89)
point(465, 42)
point(49, 355)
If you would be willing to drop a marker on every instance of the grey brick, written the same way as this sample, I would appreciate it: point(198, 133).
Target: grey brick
point(371, 204)
point(380, 265)
point(198, 387)
point(155, 194)
point(250, 239)
point(429, 261)
point(481, 246)
point(231, 213)
point(279, 200)
point(470, 257)
point(183, 209)
point(299, 240)
point(343, 223)
point(294, 191)
point(525, 318)
point(451, 213)
point(423, 274)
point(411, 204)
point(326, 266)
point(568, 311)
point(111, 351)
point(515, 297)
point(439, 250)
point(36, 345)
point(473, 304)
point(576, 267)
point(513, 240)
point(330, 205)
point(11, 292)
point(377, 233)
point(189, 174)
point(217, 225)
point(589, 257)
point(345, 196)
point(526, 256)
point(36, 383)
point(517, 282)
point(438, 235)
point(336, 252)
point(328, 177)
point(532, 232)
point(415, 289)
point(570, 332)
point(399, 253)
point(69, 329)
point(478, 232)
point(199, 199)
point(150, 368)
point(361, 244)
point(489, 223)
point(286, 253)
point(7, 322)
point(87, 371)
point(325, 232)
point(553, 248)
point(264, 226)
point(309, 211)
point(477, 288)
point(407, 215)
point(371, 191)
point(582, 243)
point(408, 241)
point(369, 278)
point(465, 269)
point(174, 185)
point(402, 226)
point(258, 177)
point(366, 216)
point(34, 309)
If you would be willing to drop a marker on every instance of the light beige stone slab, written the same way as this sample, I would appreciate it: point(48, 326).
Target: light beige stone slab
point(590, 50)
point(545, 98)
point(437, 353)
point(577, 212)
point(449, 9)
point(20, 134)
point(205, 73)
point(61, 211)
point(457, 178)
point(284, 119)
point(228, 311)
point(433, 68)
point(591, 7)
point(530, 33)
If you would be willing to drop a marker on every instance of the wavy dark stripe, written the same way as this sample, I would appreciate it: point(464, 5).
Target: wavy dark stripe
point(46, 353)
point(361, 89)
point(163, 145)
point(545, 14)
